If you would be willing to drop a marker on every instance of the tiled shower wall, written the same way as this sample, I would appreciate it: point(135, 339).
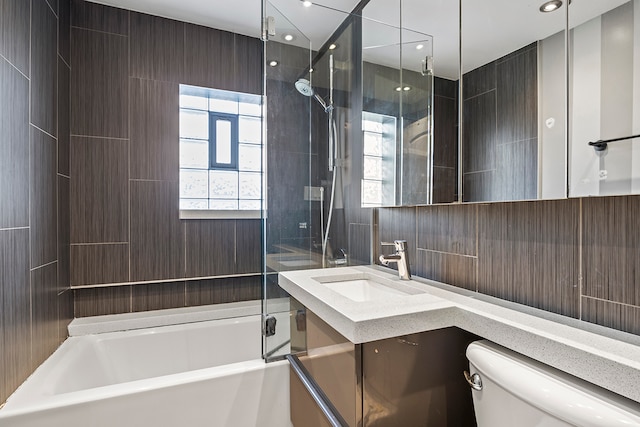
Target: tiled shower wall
point(126, 68)
point(35, 301)
point(576, 257)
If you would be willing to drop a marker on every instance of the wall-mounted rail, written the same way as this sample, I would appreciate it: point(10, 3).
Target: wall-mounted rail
point(601, 145)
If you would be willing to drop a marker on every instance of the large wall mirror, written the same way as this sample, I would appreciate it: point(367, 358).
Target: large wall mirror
point(513, 101)
point(410, 73)
point(605, 97)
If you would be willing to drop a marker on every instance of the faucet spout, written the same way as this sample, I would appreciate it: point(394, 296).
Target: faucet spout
point(401, 258)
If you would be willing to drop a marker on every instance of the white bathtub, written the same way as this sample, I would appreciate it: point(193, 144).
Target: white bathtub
point(201, 374)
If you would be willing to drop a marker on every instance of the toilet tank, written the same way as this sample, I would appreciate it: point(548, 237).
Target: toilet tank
point(518, 391)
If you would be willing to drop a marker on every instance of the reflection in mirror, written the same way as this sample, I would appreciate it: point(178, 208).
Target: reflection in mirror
point(514, 98)
point(605, 88)
point(419, 157)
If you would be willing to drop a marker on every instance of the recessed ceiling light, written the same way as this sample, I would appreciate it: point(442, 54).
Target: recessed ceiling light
point(420, 46)
point(307, 3)
point(406, 88)
point(398, 89)
point(273, 63)
point(333, 46)
point(551, 5)
point(288, 37)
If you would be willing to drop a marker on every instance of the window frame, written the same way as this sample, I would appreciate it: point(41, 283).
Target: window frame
point(214, 116)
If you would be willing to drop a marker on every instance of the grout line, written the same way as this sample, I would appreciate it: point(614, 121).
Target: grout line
point(448, 253)
point(97, 31)
point(65, 61)
point(43, 131)
point(99, 244)
point(97, 137)
point(155, 282)
point(63, 175)
point(611, 302)
point(480, 94)
point(30, 190)
point(26, 227)
point(43, 265)
point(16, 68)
point(51, 7)
point(478, 248)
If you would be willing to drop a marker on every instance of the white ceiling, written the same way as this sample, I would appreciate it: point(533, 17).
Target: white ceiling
point(489, 32)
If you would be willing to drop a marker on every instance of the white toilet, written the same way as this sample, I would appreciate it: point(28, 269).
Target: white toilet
point(516, 391)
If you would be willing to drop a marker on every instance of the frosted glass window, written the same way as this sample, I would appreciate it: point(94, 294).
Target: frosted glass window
point(250, 185)
point(194, 184)
point(247, 109)
point(371, 192)
point(230, 204)
point(194, 124)
point(223, 106)
point(223, 184)
point(372, 126)
point(194, 102)
point(250, 157)
point(194, 204)
point(194, 154)
point(250, 129)
point(372, 168)
point(220, 151)
point(223, 141)
point(250, 205)
point(372, 144)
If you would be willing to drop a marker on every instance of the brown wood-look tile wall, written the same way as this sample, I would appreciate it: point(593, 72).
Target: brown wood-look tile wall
point(34, 186)
point(500, 129)
point(125, 228)
point(99, 190)
point(529, 252)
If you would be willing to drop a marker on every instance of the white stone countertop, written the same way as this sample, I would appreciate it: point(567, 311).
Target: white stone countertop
point(602, 356)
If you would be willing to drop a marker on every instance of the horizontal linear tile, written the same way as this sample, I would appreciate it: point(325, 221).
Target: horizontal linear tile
point(612, 315)
point(517, 170)
point(450, 229)
point(95, 264)
point(15, 25)
point(248, 64)
point(219, 291)
point(154, 130)
point(157, 48)
point(158, 296)
point(92, 16)
point(44, 65)
point(15, 306)
point(64, 30)
point(209, 53)
point(99, 301)
point(611, 248)
point(65, 314)
point(43, 199)
point(456, 270)
point(396, 224)
point(479, 186)
point(64, 116)
point(479, 133)
point(210, 247)
point(157, 233)
point(528, 253)
point(359, 248)
point(14, 146)
point(445, 185)
point(44, 312)
point(64, 230)
point(99, 190)
point(99, 84)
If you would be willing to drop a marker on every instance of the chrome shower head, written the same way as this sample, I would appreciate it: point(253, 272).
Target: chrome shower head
point(304, 87)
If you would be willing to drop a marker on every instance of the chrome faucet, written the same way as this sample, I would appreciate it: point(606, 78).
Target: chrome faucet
point(401, 257)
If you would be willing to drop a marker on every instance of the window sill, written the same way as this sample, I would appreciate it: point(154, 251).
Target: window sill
point(222, 214)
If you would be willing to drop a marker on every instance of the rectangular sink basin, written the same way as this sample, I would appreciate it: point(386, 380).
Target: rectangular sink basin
point(363, 287)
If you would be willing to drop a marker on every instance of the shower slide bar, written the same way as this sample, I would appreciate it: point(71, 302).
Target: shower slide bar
point(601, 145)
point(321, 399)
